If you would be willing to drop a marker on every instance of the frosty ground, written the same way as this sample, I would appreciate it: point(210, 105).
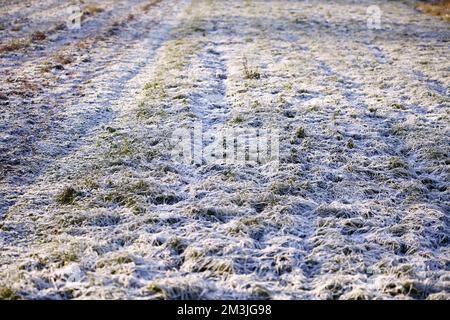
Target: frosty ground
point(92, 204)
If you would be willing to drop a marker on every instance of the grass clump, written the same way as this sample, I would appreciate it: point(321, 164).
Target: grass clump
point(249, 72)
point(395, 163)
point(64, 258)
point(154, 289)
point(14, 45)
point(408, 288)
point(63, 59)
point(45, 67)
point(38, 36)
point(212, 213)
point(300, 133)
point(398, 106)
point(8, 294)
point(91, 10)
point(350, 144)
point(165, 198)
point(217, 267)
point(177, 245)
point(398, 130)
point(176, 289)
point(67, 196)
point(155, 90)
point(124, 260)
point(264, 200)
point(237, 120)
point(261, 292)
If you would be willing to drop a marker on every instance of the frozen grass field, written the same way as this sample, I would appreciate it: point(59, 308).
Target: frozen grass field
point(92, 204)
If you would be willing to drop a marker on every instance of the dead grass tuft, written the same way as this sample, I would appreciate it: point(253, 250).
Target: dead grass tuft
point(92, 10)
point(14, 45)
point(38, 36)
point(63, 58)
point(440, 9)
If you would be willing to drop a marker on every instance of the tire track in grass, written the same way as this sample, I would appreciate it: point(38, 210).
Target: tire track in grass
point(356, 99)
point(203, 211)
point(355, 95)
point(20, 9)
point(84, 112)
point(98, 110)
point(209, 106)
point(433, 85)
point(57, 35)
point(275, 268)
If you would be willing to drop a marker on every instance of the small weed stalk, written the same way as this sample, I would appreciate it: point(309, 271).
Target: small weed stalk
point(249, 72)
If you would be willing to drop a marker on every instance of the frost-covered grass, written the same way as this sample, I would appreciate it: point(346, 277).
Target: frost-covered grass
point(359, 208)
